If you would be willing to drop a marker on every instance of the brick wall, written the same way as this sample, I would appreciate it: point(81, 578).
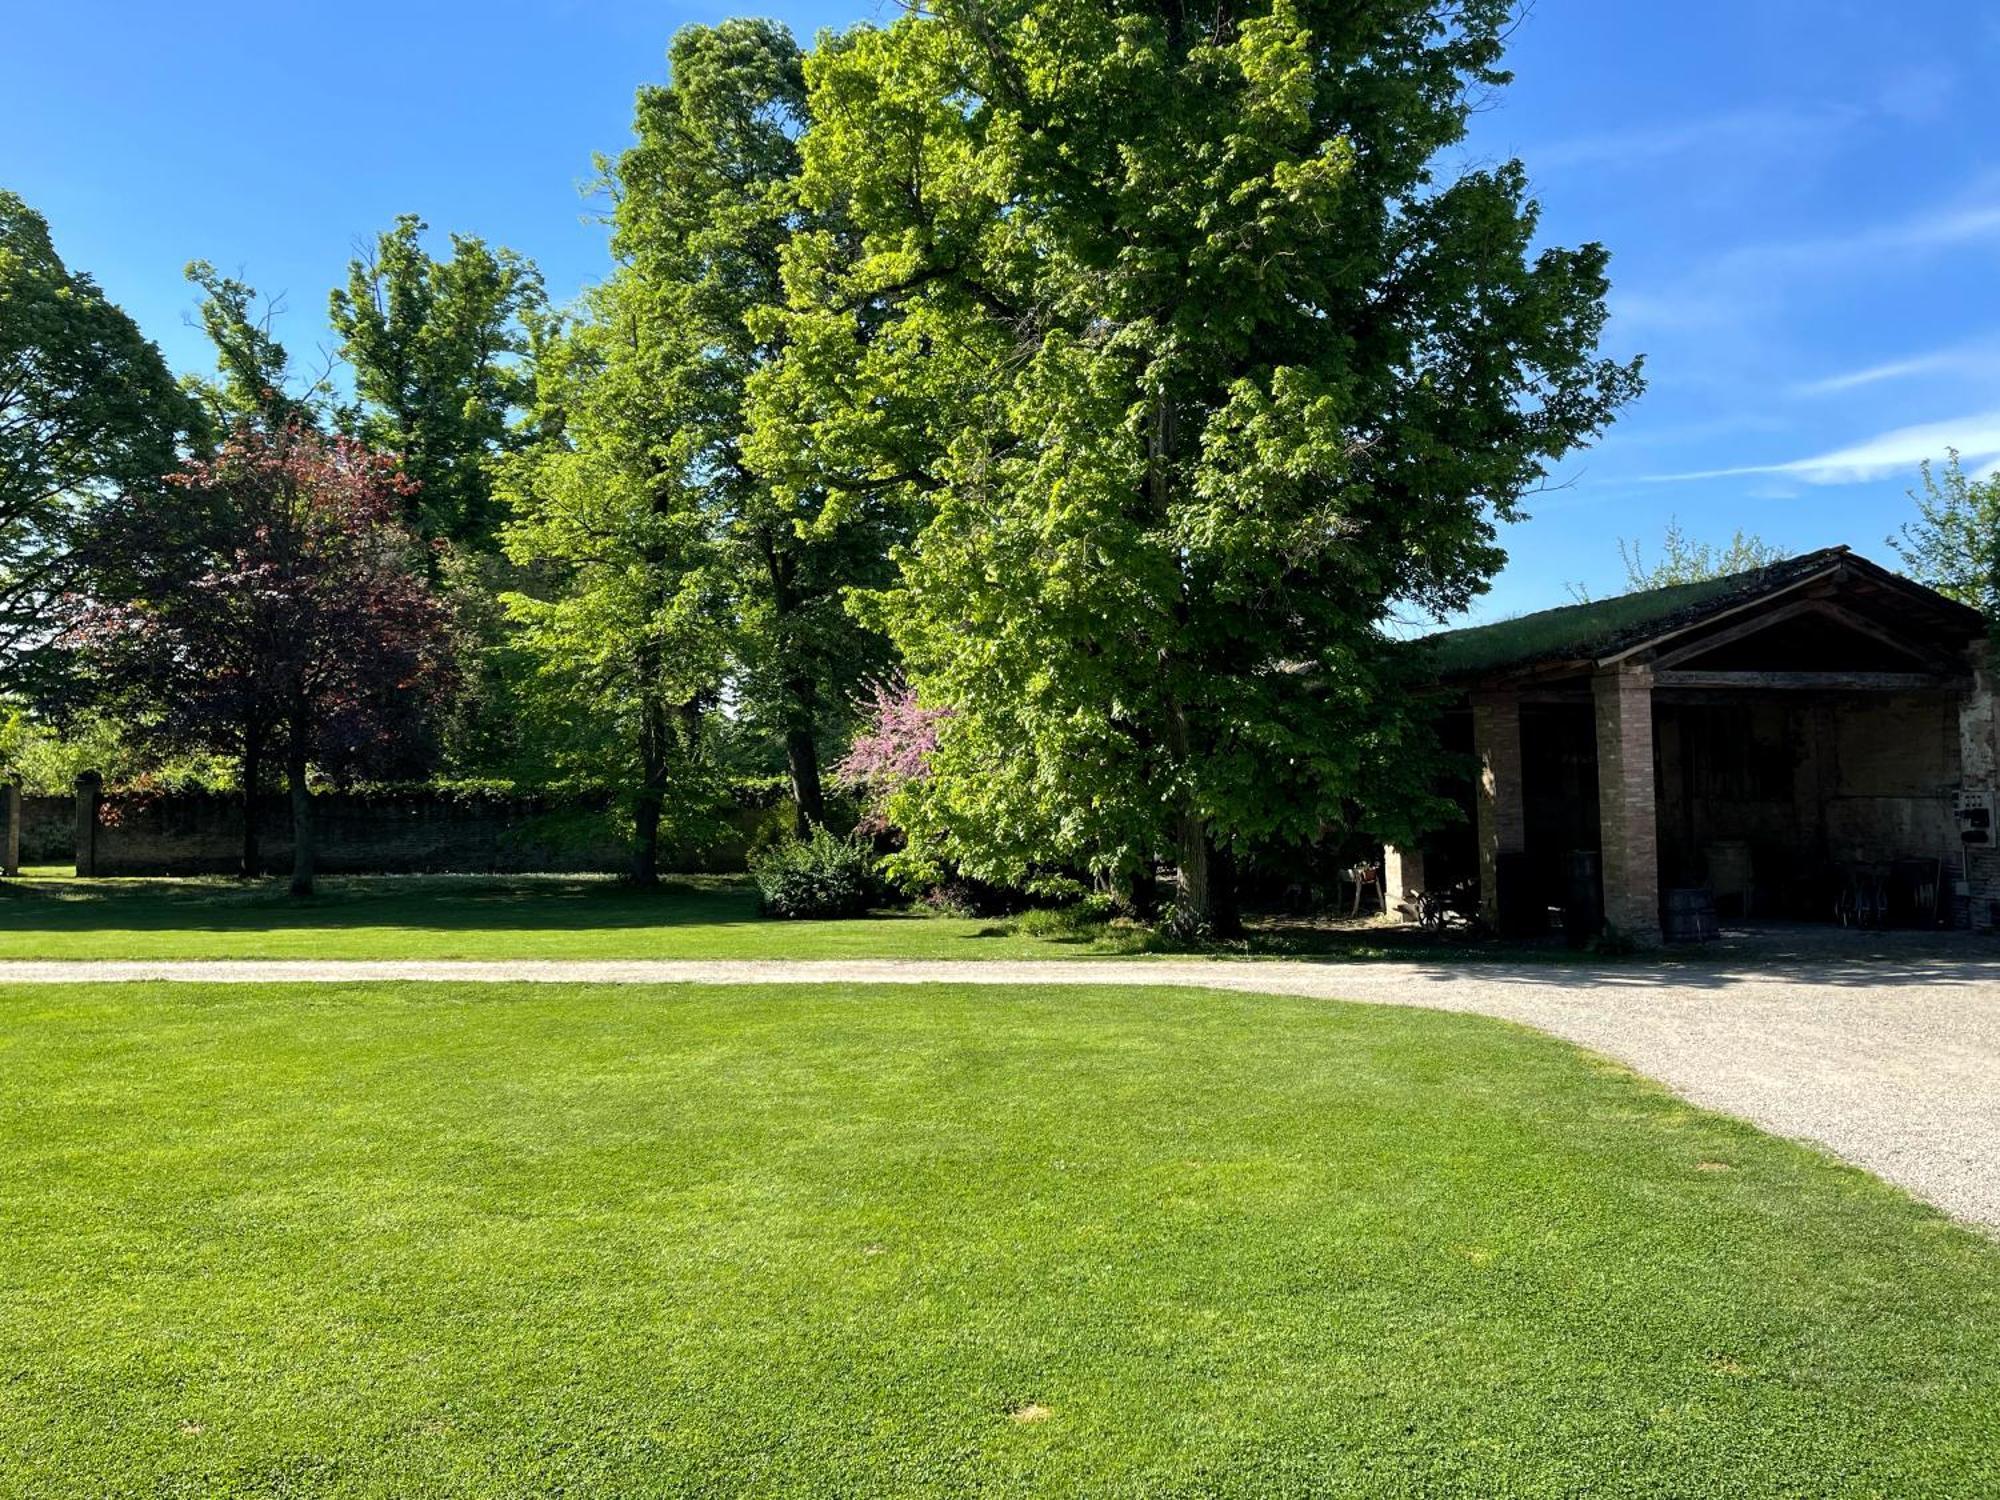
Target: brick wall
point(202, 833)
point(48, 830)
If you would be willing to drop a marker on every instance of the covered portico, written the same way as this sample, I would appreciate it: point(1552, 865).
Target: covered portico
point(1792, 741)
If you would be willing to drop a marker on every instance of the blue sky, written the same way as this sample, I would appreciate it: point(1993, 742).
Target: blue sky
point(1802, 198)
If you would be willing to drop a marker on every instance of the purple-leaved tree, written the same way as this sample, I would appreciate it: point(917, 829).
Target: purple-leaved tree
point(268, 604)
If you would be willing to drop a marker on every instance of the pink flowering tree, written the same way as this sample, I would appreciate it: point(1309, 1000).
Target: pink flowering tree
point(891, 749)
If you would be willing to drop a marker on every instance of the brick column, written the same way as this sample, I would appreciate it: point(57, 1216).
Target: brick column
point(1503, 814)
point(10, 829)
point(1627, 816)
point(89, 792)
point(1402, 881)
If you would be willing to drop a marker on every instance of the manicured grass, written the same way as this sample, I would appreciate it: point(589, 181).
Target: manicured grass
point(483, 917)
point(458, 1240)
point(457, 917)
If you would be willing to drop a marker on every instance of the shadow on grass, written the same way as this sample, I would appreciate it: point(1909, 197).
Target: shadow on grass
point(442, 902)
point(582, 904)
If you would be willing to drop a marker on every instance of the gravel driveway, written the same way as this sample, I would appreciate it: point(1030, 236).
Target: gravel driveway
point(1892, 1066)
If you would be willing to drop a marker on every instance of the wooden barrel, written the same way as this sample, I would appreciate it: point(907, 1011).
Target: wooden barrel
point(1690, 916)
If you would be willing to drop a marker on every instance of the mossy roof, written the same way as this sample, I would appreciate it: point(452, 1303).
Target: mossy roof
point(1603, 627)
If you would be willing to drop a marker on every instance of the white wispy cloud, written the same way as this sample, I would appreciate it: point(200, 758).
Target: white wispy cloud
point(1895, 369)
point(1949, 229)
point(1913, 94)
point(1976, 439)
point(1767, 131)
point(1729, 289)
point(1958, 360)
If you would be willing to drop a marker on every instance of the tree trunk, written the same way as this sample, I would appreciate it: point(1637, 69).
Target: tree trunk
point(1207, 878)
point(1225, 907)
point(302, 819)
point(802, 695)
point(252, 776)
point(808, 797)
point(646, 808)
point(1191, 849)
point(646, 839)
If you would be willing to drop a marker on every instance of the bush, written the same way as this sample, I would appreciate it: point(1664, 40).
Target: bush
point(1080, 919)
point(1186, 926)
point(823, 876)
point(962, 896)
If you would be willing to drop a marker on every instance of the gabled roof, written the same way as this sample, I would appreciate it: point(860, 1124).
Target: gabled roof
point(1586, 634)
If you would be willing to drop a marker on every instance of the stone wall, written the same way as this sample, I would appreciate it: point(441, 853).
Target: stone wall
point(196, 833)
point(48, 830)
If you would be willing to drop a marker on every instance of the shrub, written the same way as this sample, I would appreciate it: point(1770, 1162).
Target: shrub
point(1080, 919)
point(823, 876)
point(1186, 926)
point(962, 896)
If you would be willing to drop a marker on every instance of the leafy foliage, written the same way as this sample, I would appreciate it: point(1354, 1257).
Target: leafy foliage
point(87, 408)
point(1683, 560)
point(821, 875)
point(437, 349)
point(1954, 544)
point(630, 632)
point(1167, 323)
point(254, 380)
point(269, 602)
point(707, 209)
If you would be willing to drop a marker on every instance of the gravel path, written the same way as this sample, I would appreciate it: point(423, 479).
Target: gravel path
point(1895, 1067)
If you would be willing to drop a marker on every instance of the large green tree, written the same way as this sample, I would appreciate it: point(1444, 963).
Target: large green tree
point(630, 631)
point(88, 408)
point(442, 353)
point(437, 348)
point(1215, 367)
point(707, 208)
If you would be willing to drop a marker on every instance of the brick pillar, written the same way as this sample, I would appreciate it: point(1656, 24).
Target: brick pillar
point(1627, 816)
point(89, 792)
point(1402, 880)
point(10, 829)
point(1503, 816)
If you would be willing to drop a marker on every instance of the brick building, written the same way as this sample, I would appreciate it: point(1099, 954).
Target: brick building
point(1799, 742)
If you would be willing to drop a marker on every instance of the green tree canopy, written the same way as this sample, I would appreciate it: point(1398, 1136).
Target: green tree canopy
point(254, 382)
point(438, 348)
point(87, 408)
point(707, 207)
point(630, 632)
point(1204, 367)
point(1954, 544)
point(1684, 560)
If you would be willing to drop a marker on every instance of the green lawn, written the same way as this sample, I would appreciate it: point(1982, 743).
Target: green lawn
point(458, 917)
point(459, 1240)
point(492, 917)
